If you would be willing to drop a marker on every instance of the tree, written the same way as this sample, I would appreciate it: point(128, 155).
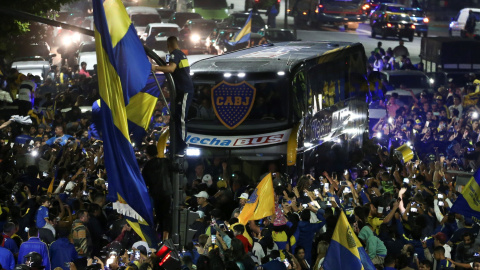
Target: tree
point(15, 32)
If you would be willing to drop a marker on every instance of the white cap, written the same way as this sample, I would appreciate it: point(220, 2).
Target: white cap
point(244, 196)
point(70, 186)
point(206, 178)
point(202, 194)
point(140, 243)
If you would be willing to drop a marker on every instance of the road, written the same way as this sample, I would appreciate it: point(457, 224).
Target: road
point(362, 34)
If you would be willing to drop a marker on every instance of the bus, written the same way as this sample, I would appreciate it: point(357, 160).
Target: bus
point(346, 13)
point(210, 9)
point(296, 104)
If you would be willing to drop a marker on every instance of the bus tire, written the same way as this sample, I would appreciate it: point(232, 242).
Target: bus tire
point(410, 38)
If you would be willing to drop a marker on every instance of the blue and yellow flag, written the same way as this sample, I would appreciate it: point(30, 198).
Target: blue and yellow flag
point(141, 106)
point(468, 203)
point(123, 70)
point(345, 250)
point(261, 203)
point(244, 34)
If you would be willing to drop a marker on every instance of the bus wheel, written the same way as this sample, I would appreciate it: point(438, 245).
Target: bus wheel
point(410, 38)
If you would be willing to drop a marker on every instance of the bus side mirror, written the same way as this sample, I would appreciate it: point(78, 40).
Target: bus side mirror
point(231, 6)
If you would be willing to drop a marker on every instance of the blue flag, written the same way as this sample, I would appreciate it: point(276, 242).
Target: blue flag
point(345, 250)
point(468, 203)
point(123, 70)
point(243, 35)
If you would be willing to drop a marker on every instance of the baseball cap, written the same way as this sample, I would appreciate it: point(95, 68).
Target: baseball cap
point(202, 194)
point(244, 196)
point(206, 178)
point(438, 97)
point(440, 236)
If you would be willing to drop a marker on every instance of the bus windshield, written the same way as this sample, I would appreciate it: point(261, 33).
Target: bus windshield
point(215, 4)
point(269, 109)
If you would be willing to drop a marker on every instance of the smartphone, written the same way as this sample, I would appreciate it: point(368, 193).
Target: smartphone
point(476, 254)
point(347, 190)
point(26, 229)
point(413, 210)
point(137, 255)
point(412, 204)
point(440, 196)
point(406, 180)
point(311, 203)
point(130, 252)
point(106, 186)
point(345, 172)
point(214, 239)
point(441, 203)
point(415, 256)
point(380, 209)
point(45, 174)
point(287, 264)
point(13, 197)
point(305, 194)
point(85, 193)
point(426, 238)
point(316, 192)
point(222, 226)
point(343, 183)
point(95, 261)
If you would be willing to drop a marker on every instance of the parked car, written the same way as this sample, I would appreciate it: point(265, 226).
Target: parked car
point(278, 35)
point(194, 34)
point(142, 16)
point(181, 18)
point(420, 20)
point(163, 29)
point(457, 25)
point(394, 25)
point(384, 8)
point(238, 19)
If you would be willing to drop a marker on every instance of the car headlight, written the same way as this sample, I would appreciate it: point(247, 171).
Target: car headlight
point(195, 38)
point(66, 41)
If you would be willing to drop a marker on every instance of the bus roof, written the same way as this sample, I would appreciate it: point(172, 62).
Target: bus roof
point(273, 57)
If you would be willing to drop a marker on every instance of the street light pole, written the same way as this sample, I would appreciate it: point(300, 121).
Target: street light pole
point(285, 20)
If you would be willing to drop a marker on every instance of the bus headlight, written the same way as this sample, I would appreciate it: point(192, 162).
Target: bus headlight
point(66, 41)
point(195, 38)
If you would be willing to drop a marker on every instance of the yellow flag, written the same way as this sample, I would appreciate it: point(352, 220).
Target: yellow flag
point(50, 187)
point(261, 203)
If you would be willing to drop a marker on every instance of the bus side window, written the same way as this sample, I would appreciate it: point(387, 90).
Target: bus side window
point(299, 94)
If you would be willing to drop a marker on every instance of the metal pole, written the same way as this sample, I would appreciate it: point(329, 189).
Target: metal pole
point(161, 92)
point(285, 20)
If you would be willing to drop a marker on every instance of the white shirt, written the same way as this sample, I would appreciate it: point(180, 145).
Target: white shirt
point(25, 90)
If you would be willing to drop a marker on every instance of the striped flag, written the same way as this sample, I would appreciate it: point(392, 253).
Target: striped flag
point(123, 70)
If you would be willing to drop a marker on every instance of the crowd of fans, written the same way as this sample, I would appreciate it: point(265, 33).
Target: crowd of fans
point(54, 212)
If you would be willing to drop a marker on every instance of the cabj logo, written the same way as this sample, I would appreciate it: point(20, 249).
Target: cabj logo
point(232, 102)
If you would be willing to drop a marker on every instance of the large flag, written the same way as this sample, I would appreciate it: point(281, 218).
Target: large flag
point(345, 250)
point(123, 70)
point(141, 106)
point(261, 203)
point(468, 203)
point(244, 34)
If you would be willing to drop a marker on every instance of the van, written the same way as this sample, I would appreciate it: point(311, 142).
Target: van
point(142, 16)
point(457, 25)
point(90, 58)
point(35, 66)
